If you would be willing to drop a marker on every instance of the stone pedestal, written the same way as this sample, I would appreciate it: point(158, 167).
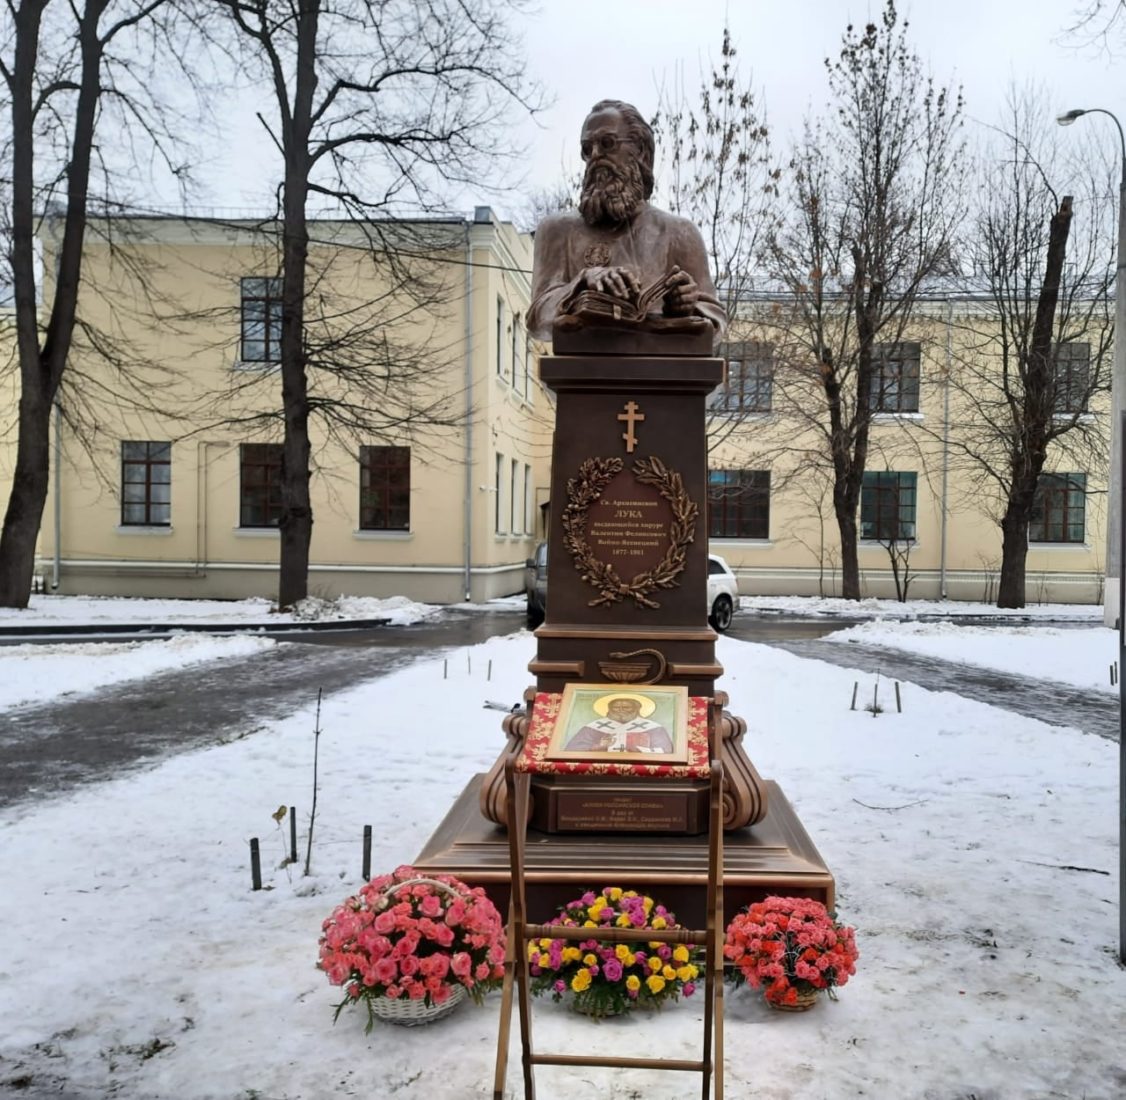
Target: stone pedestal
point(627, 587)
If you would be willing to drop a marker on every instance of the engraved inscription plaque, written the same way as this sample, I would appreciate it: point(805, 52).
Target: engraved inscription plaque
point(629, 526)
point(643, 812)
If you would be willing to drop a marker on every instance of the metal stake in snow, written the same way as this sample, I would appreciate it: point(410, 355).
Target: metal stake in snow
point(255, 865)
point(313, 811)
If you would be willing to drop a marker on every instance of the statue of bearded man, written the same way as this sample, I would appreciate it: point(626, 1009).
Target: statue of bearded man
point(616, 243)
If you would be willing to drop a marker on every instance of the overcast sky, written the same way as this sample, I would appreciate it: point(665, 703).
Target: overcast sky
point(585, 50)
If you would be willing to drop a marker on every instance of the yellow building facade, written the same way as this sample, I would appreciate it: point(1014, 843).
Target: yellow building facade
point(923, 496)
point(167, 484)
point(166, 478)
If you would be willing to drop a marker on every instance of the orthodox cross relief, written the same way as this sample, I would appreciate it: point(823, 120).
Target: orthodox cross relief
point(631, 416)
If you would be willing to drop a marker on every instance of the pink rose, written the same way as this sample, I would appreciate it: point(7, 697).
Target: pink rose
point(384, 922)
point(431, 906)
point(386, 971)
point(461, 964)
point(409, 965)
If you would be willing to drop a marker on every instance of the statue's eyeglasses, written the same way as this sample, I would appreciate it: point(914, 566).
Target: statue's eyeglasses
point(607, 143)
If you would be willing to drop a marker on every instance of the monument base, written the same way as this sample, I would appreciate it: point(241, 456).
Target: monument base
point(775, 856)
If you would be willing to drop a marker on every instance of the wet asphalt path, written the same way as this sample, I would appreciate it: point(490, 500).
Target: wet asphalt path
point(47, 750)
point(1047, 700)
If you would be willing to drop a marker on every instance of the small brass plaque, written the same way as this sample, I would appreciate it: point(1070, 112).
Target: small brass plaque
point(589, 811)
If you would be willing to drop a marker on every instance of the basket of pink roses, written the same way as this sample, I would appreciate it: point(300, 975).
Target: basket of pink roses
point(413, 947)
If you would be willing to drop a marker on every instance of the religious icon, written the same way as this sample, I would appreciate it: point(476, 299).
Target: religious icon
point(645, 724)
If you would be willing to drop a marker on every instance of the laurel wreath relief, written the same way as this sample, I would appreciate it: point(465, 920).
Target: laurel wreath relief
point(586, 489)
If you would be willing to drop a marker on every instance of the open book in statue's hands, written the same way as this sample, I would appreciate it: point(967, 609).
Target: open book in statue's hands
point(638, 310)
point(633, 308)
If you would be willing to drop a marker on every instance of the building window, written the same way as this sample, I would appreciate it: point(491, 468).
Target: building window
point(887, 506)
point(500, 337)
point(750, 379)
point(513, 501)
point(498, 485)
point(739, 504)
point(1058, 511)
point(1071, 378)
point(146, 484)
point(260, 472)
point(527, 369)
point(895, 379)
point(261, 320)
point(529, 519)
point(515, 339)
point(385, 488)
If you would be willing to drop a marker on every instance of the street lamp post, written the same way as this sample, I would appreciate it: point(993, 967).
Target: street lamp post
point(1113, 584)
point(1113, 602)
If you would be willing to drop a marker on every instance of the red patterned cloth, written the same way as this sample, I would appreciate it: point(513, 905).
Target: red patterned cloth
point(545, 711)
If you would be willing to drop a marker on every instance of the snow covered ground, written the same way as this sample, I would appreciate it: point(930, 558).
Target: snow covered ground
point(833, 607)
point(99, 610)
point(975, 851)
point(1079, 657)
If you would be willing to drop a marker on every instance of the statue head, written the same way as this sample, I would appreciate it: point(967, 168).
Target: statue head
point(618, 149)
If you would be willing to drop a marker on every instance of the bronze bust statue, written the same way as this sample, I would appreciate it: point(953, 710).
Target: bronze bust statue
point(619, 274)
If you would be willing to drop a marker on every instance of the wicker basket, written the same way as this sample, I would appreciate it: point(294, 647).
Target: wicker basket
point(408, 1013)
point(402, 1010)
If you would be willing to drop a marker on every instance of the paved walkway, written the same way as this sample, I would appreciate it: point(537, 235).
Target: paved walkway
point(49, 749)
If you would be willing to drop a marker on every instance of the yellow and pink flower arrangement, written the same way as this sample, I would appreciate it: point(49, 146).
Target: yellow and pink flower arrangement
point(607, 979)
point(790, 948)
point(407, 941)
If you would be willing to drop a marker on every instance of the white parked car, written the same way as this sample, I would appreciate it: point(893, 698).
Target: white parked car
point(723, 589)
point(723, 593)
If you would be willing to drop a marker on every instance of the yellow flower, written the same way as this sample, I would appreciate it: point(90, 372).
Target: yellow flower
point(693, 971)
point(615, 893)
point(623, 921)
point(629, 894)
point(533, 952)
point(590, 924)
point(545, 944)
point(655, 964)
point(622, 950)
point(660, 922)
point(655, 983)
point(544, 959)
point(669, 973)
point(590, 960)
point(595, 911)
point(581, 981)
point(686, 973)
point(570, 954)
point(647, 904)
point(680, 953)
point(633, 983)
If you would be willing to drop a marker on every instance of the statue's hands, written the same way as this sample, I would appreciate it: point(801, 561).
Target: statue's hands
point(682, 295)
point(621, 282)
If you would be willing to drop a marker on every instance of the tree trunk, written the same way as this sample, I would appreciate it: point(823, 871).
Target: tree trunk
point(41, 370)
point(850, 564)
point(1030, 445)
point(1014, 554)
point(297, 510)
point(27, 499)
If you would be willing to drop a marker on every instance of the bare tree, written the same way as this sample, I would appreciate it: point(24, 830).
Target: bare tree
point(874, 202)
point(81, 87)
point(1036, 351)
point(376, 105)
point(720, 176)
point(1098, 23)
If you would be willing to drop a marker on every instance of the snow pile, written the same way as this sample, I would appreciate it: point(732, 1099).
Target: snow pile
point(813, 606)
point(1079, 657)
point(41, 673)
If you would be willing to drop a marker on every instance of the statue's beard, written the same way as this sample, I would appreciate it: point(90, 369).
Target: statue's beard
point(612, 194)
